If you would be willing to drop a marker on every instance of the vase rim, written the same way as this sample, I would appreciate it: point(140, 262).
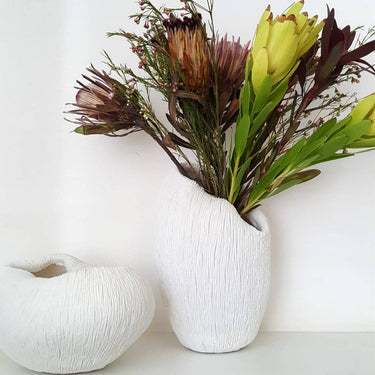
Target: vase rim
point(255, 218)
point(53, 265)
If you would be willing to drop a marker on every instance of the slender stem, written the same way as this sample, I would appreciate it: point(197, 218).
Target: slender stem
point(233, 180)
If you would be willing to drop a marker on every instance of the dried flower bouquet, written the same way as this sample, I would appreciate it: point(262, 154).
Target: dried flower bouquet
point(244, 121)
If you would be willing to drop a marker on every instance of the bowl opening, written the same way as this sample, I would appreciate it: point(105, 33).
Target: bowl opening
point(50, 271)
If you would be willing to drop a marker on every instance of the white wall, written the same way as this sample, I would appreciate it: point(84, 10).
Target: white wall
point(94, 197)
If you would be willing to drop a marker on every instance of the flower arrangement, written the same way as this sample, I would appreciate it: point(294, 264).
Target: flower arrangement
point(245, 121)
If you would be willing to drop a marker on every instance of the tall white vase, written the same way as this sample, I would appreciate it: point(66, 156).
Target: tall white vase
point(214, 267)
point(60, 315)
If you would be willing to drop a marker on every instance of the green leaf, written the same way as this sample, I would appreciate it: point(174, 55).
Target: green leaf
point(323, 131)
point(275, 98)
point(291, 156)
point(303, 176)
point(327, 130)
point(310, 148)
point(279, 166)
point(262, 94)
point(240, 174)
point(278, 93)
point(355, 131)
point(362, 143)
point(245, 99)
point(316, 143)
point(80, 130)
point(249, 64)
point(242, 132)
point(339, 126)
point(261, 118)
point(333, 145)
point(363, 151)
point(295, 179)
point(332, 157)
point(305, 163)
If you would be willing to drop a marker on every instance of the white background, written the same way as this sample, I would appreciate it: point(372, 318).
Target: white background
point(94, 197)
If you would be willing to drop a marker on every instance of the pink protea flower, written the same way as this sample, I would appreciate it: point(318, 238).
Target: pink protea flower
point(230, 61)
point(105, 106)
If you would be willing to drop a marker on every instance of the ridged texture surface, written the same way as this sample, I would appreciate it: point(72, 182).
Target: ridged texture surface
point(79, 321)
point(214, 267)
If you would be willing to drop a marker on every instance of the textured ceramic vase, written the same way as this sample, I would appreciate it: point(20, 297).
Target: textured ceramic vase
point(60, 315)
point(214, 267)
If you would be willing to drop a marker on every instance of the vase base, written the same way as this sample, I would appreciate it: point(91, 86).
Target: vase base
point(62, 371)
point(215, 349)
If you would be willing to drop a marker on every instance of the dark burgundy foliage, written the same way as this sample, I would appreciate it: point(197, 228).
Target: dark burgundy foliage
point(335, 54)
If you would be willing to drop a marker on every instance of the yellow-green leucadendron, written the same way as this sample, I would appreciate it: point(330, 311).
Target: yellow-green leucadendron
point(280, 42)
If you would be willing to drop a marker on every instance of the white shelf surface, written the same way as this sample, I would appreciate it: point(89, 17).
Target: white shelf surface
point(294, 353)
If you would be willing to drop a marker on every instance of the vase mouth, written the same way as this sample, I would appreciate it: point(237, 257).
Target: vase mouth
point(50, 266)
point(254, 218)
point(53, 270)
